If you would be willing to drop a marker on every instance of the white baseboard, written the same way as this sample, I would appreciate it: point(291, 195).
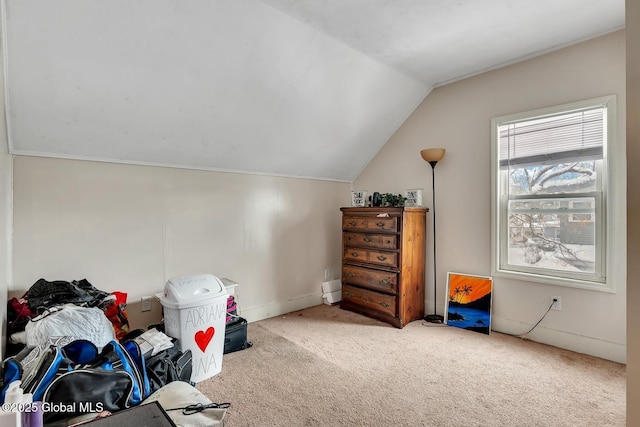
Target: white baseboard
point(581, 344)
point(253, 314)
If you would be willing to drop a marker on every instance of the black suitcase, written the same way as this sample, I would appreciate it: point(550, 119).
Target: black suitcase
point(235, 336)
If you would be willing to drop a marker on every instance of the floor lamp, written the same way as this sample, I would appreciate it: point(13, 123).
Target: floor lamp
point(433, 156)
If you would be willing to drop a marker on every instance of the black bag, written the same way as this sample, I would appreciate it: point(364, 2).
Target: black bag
point(44, 294)
point(77, 379)
point(88, 390)
point(169, 365)
point(235, 336)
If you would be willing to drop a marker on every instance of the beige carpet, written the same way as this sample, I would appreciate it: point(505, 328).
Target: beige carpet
point(328, 367)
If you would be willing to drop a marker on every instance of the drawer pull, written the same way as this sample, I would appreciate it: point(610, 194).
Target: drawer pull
point(348, 294)
point(350, 274)
point(380, 224)
point(352, 223)
point(384, 281)
point(354, 254)
point(366, 240)
point(384, 304)
point(382, 257)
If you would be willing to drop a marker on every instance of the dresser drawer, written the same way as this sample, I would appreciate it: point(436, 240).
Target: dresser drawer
point(374, 279)
point(387, 259)
point(370, 223)
point(382, 241)
point(370, 299)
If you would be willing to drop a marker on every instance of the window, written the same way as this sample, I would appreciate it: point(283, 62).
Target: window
point(587, 207)
point(549, 190)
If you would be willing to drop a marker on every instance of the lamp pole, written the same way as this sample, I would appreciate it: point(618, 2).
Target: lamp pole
point(432, 156)
point(434, 318)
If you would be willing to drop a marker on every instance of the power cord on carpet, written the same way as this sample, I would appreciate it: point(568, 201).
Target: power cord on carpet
point(524, 335)
point(431, 324)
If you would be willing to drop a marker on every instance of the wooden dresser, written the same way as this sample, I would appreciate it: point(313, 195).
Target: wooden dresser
point(383, 263)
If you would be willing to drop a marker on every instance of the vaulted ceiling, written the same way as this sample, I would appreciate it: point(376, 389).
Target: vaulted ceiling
point(305, 88)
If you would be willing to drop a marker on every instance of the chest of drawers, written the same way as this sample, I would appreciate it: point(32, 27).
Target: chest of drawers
point(383, 263)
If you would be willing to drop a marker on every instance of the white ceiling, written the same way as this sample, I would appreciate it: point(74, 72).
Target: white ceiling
point(308, 88)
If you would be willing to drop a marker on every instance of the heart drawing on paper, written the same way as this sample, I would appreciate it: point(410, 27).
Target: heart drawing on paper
point(203, 338)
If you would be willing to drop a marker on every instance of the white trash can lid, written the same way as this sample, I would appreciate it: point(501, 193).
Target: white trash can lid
point(189, 291)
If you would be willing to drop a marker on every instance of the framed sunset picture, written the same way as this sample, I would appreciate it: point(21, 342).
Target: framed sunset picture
point(469, 302)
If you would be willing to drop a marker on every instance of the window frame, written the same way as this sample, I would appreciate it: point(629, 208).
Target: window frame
point(604, 205)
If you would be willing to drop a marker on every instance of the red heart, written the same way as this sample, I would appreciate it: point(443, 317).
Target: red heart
point(203, 338)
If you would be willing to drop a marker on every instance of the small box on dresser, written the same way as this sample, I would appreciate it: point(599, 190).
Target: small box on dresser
point(383, 262)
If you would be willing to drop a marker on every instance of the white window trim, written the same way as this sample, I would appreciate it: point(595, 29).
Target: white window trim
point(614, 181)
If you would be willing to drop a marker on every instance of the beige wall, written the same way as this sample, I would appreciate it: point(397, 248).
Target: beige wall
point(131, 228)
point(633, 211)
point(457, 117)
point(5, 218)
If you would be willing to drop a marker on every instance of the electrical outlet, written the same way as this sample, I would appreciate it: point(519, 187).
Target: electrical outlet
point(145, 303)
point(327, 274)
point(556, 303)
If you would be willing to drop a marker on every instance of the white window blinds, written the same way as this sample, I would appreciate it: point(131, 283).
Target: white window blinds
point(577, 135)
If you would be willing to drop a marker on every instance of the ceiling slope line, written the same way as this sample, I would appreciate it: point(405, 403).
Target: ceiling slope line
point(411, 109)
point(344, 44)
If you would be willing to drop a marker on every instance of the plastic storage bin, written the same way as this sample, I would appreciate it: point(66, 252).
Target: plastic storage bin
point(195, 310)
point(332, 291)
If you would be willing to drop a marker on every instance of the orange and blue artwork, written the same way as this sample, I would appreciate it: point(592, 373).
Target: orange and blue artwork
point(469, 302)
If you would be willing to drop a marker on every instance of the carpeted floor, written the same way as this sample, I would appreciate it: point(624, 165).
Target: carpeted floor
point(328, 367)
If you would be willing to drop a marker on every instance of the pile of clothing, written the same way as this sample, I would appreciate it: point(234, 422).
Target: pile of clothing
point(70, 347)
point(60, 308)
